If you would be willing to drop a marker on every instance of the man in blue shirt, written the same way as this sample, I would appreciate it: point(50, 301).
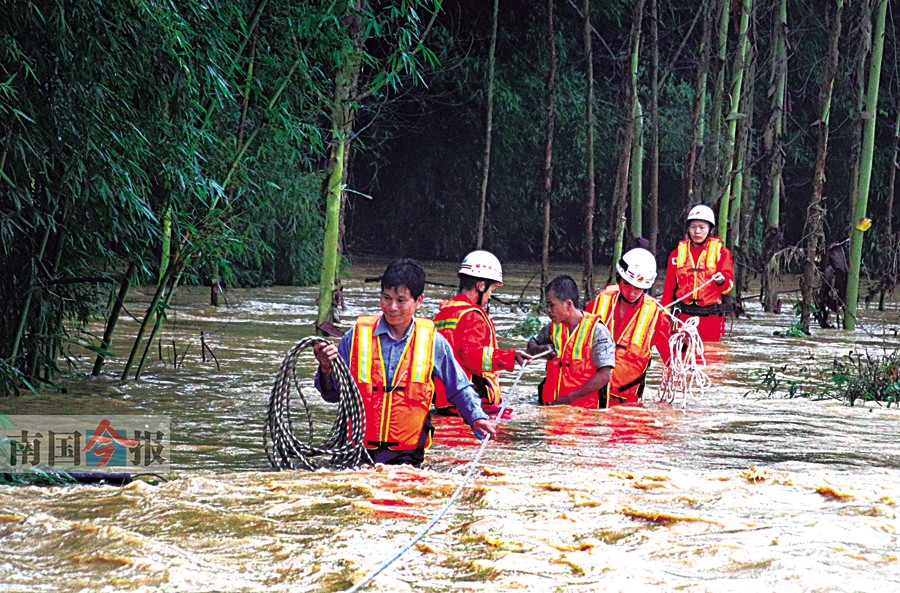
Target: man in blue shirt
point(392, 358)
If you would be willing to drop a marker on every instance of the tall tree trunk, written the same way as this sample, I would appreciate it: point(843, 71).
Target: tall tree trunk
point(740, 66)
point(550, 110)
point(637, 173)
point(154, 310)
point(774, 142)
point(863, 33)
point(714, 158)
point(693, 182)
point(166, 246)
point(654, 116)
point(620, 194)
point(488, 131)
point(890, 249)
point(815, 215)
point(775, 131)
point(743, 177)
point(26, 309)
point(342, 118)
point(587, 280)
point(865, 172)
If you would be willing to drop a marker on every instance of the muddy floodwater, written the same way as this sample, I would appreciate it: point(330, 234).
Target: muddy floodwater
point(732, 492)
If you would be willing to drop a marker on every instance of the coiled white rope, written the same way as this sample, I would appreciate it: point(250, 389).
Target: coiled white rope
point(473, 465)
point(685, 374)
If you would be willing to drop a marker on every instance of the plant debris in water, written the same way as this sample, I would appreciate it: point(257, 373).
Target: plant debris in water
point(858, 376)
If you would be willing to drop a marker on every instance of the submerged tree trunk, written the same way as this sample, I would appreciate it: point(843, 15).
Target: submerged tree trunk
point(815, 215)
point(488, 131)
point(744, 174)
point(587, 280)
point(113, 319)
point(550, 111)
point(693, 182)
point(891, 264)
point(865, 172)
point(741, 61)
point(774, 141)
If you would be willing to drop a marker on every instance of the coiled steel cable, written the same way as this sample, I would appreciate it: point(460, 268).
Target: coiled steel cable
point(344, 444)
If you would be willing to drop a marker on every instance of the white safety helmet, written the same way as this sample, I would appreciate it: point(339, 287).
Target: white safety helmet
point(702, 212)
point(638, 268)
point(482, 264)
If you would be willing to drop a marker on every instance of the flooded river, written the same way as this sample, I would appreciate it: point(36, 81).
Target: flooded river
point(735, 492)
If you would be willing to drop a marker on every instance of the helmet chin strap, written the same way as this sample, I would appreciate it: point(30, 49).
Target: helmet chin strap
point(480, 301)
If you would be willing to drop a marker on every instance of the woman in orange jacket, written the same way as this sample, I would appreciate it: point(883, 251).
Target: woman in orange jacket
point(700, 271)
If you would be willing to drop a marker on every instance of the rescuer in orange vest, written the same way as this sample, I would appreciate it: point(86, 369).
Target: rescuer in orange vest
point(636, 322)
point(700, 271)
point(465, 324)
point(584, 353)
point(392, 358)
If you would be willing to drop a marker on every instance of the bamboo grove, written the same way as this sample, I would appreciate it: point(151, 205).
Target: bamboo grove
point(213, 142)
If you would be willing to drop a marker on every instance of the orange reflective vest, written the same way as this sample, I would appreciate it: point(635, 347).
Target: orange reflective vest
point(573, 366)
point(690, 275)
point(395, 414)
point(445, 322)
point(632, 346)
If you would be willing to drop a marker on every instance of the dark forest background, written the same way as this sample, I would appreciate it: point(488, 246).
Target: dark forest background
point(243, 142)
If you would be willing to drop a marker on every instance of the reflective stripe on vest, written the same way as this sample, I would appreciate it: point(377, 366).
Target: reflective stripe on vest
point(691, 275)
point(632, 347)
point(446, 322)
point(573, 365)
point(395, 414)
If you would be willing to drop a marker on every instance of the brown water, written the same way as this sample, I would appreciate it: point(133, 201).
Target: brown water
point(735, 492)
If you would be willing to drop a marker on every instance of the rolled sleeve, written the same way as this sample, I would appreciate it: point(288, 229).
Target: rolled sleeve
point(333, 395)
point(603, 348)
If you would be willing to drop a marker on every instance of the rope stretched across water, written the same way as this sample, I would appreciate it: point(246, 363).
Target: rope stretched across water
point(343, 445)
point(473, 465)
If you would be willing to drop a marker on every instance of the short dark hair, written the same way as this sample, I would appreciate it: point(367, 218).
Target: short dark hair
point(407, 273)
point(466, 282)
point(565, 289)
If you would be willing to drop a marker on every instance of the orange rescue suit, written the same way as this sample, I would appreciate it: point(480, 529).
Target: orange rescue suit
point(395, 414)
point(690, 274)
point(473, 339)
point(633, 343)
point(573, 365)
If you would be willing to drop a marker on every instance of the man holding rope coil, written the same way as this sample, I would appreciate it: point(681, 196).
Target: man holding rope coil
point(392, 357)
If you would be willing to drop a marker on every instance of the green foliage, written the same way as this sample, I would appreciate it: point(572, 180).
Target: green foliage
point(525, 328)
point(858, 376)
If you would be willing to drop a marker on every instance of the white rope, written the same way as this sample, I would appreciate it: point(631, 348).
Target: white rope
point(685, 374)
point(473, 465)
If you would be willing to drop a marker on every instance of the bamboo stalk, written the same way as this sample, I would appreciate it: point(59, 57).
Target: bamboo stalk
point(113, 319)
